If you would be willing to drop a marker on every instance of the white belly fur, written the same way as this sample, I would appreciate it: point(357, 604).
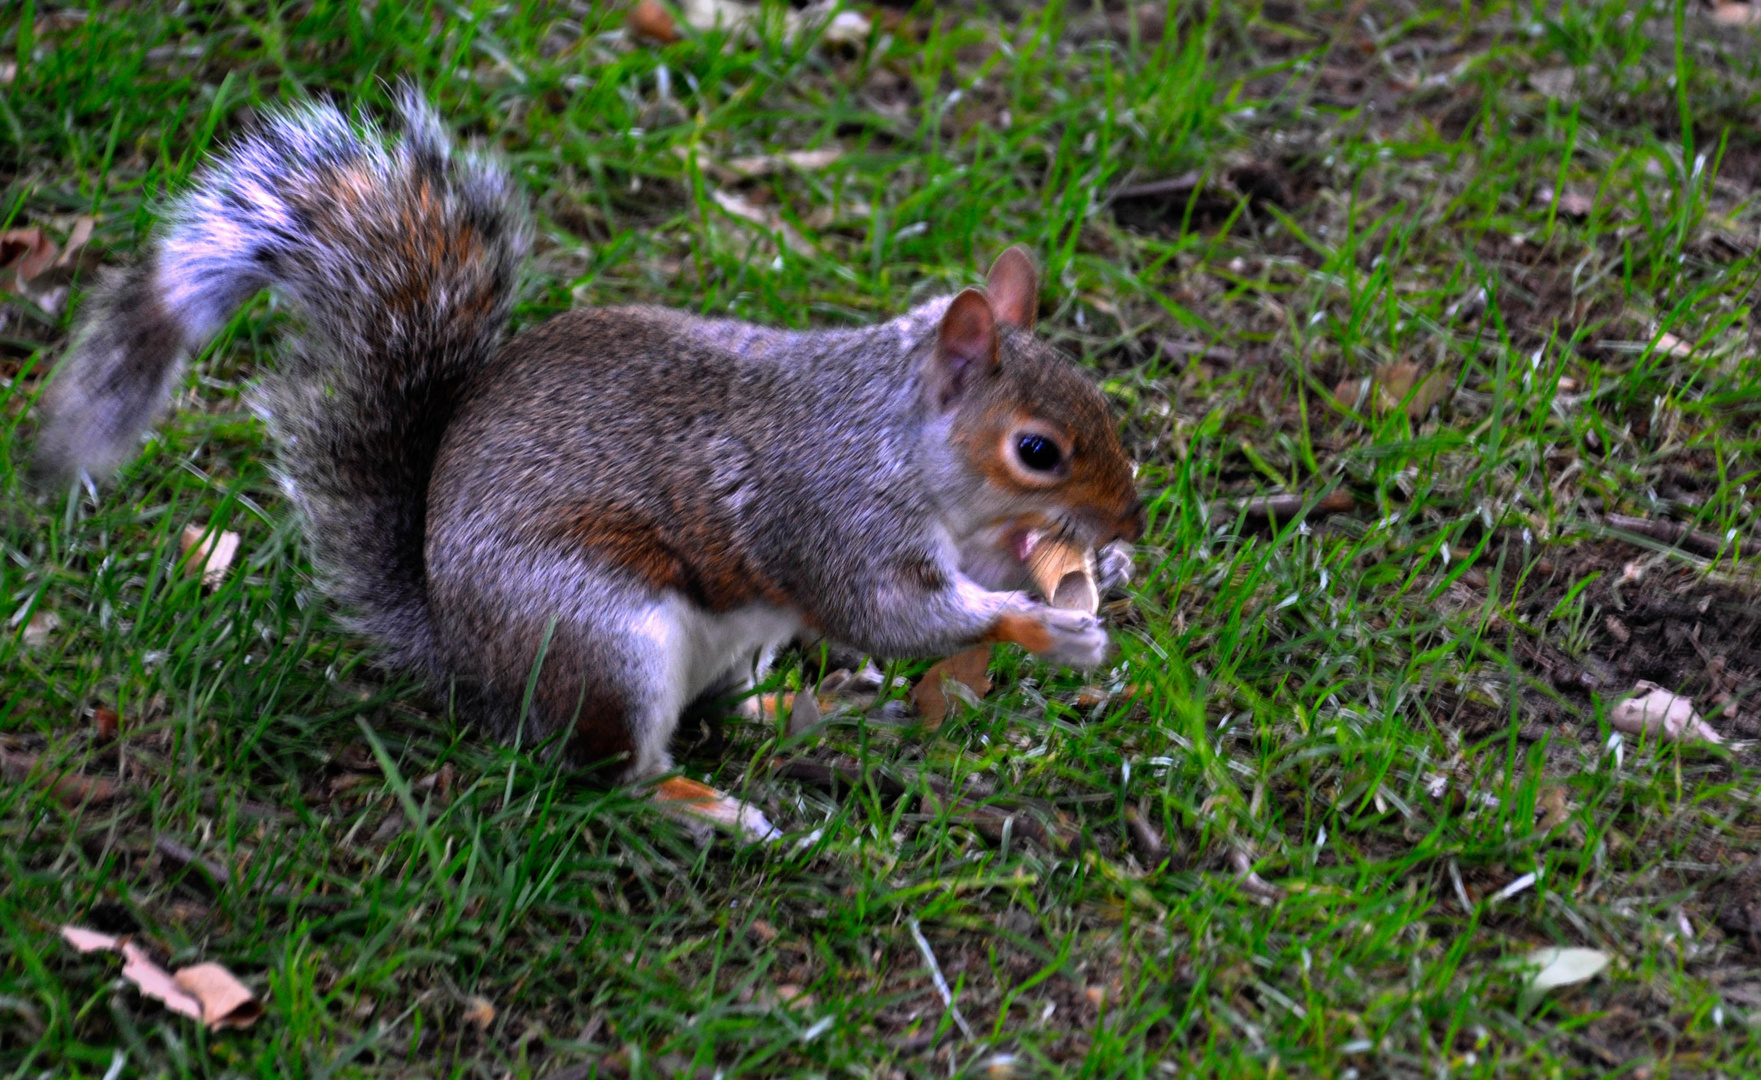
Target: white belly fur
point(693, 651)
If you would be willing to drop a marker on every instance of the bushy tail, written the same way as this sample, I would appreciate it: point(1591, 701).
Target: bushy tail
point(400, 265)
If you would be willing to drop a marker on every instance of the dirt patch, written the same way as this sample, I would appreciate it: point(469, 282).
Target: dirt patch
point(1636, 616)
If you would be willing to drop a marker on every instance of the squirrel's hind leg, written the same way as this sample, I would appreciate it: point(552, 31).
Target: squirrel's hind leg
point(611, 664)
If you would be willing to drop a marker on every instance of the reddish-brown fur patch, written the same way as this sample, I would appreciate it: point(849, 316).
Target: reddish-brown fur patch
point(714, 575)
point(1021, 629)
point(686, 792)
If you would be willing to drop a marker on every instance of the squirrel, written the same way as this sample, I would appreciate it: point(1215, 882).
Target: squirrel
point(620, 511)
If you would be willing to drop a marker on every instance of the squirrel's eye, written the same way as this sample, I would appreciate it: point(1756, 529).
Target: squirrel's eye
point(1038, 452)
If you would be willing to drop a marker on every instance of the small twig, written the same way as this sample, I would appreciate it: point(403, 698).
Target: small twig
point(935, 974)
point(1283, 507)
point(1670, 532)
point(72, 789)
point(186, 857)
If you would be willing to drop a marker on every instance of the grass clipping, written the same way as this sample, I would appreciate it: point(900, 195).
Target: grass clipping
point(1064, 575)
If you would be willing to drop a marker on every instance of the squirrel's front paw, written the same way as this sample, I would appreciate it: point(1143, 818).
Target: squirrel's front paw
point(1072, 638)
point(1113, 567)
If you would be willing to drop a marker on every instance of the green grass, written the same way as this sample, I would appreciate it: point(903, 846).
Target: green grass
point(1301, 691)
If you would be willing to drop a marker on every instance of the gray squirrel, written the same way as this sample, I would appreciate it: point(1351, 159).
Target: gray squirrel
point(642, 504)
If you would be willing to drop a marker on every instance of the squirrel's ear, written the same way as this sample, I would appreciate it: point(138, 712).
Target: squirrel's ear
point(966, 348)
point(1014, 288)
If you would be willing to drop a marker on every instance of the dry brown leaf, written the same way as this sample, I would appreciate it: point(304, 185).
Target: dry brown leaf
point(1554, 809)
point(1737, 14)
point(89, 940)
point(209, 553)
point(1389, 387)
point(77, 238)
point(205, 992)
point(26, 253)
point(42, 626)
point(934, 695)
point(106, 724)
point(1575, 204)
point(1670, 345)
point(1090, 696)
point(479, 1013)
point(1403, 382)
point(794, 997)
point(804, 713)
point(769, 220)
point(764, 931)
point(1656, 711)
point(766, 164)
point(155, 982)
point(225, 1002)
point(649, 20)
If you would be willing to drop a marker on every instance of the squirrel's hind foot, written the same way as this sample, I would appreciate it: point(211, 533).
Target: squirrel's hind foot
point(703, 810)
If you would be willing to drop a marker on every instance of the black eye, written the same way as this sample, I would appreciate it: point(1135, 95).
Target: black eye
point(1038, 452)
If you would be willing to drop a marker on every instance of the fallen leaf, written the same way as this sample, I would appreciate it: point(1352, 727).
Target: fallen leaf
point(1670, 345)
point(38, 630)
point(77, 238)
point(209, 553)
point(1555, 967)
point(804, 713)
point(207, 992)
point(1389, 387)
point(26, 253)
point(1090, 696)
point(725, 14)
point(105, 723)
point(934, 695)
point(847, 28)
point(764, 931)
point(765, 164)
point(1575, 204)
point(479, 1013)
point(1554, 810)
point(226, 1002)
point(89, 940)
point(155, 982)
point(1554, 82)
point(1403, 383)
point(769, 220)
point(1737, 14)
point(1000, 1067)
point(649, 20)
point(794, 997)
point(1656, 711)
